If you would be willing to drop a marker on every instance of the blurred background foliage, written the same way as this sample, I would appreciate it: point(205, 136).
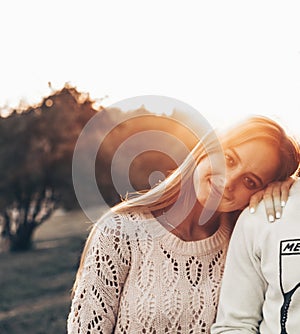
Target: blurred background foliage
point(42, 226)
point(36, 150)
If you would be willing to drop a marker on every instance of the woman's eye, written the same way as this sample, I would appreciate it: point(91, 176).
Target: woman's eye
point(229, 160)
point(249, 183)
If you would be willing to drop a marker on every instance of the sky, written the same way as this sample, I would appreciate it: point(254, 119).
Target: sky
point(226, 59)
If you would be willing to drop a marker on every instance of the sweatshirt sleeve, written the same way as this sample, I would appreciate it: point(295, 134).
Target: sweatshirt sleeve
point(243, 286)
point(94, 306)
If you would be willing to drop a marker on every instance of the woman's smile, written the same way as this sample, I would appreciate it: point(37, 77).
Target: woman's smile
point(247, 170)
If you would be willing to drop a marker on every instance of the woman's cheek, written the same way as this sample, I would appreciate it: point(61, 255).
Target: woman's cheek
point(244, 198)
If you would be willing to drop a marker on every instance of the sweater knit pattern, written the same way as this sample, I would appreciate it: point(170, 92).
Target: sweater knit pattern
point(140, 278)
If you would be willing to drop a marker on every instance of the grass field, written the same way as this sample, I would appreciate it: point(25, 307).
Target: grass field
point(35, 285)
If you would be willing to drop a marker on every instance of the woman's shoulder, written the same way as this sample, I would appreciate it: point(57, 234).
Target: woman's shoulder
point(125, 222)
point(114, 217)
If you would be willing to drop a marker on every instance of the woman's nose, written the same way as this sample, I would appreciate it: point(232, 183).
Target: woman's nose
point(230, 180)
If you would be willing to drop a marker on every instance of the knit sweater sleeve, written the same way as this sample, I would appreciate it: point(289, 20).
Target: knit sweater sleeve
point(95, 302)
point(243, 285)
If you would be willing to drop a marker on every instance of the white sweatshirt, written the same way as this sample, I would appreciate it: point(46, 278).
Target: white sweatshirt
point(260, 291)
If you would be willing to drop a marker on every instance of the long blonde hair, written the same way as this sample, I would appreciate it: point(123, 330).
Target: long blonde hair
point(169, 190)
point(252, 128)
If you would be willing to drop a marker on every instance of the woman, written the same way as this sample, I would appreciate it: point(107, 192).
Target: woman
point(154, 263)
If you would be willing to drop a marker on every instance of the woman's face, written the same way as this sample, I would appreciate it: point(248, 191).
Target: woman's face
point(249, 168)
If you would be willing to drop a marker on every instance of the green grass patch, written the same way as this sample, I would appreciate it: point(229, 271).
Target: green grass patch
point(36, 285)
point(50, 321)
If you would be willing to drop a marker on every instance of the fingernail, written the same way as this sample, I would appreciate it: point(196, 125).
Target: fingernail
point(252, 210)
point(271, 218)
point(278, 215)
point(282, 203)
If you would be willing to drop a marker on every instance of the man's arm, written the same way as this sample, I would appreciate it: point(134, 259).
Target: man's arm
point(243, 285)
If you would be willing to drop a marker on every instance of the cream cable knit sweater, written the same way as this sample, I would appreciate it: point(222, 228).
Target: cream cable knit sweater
point(140, 278)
